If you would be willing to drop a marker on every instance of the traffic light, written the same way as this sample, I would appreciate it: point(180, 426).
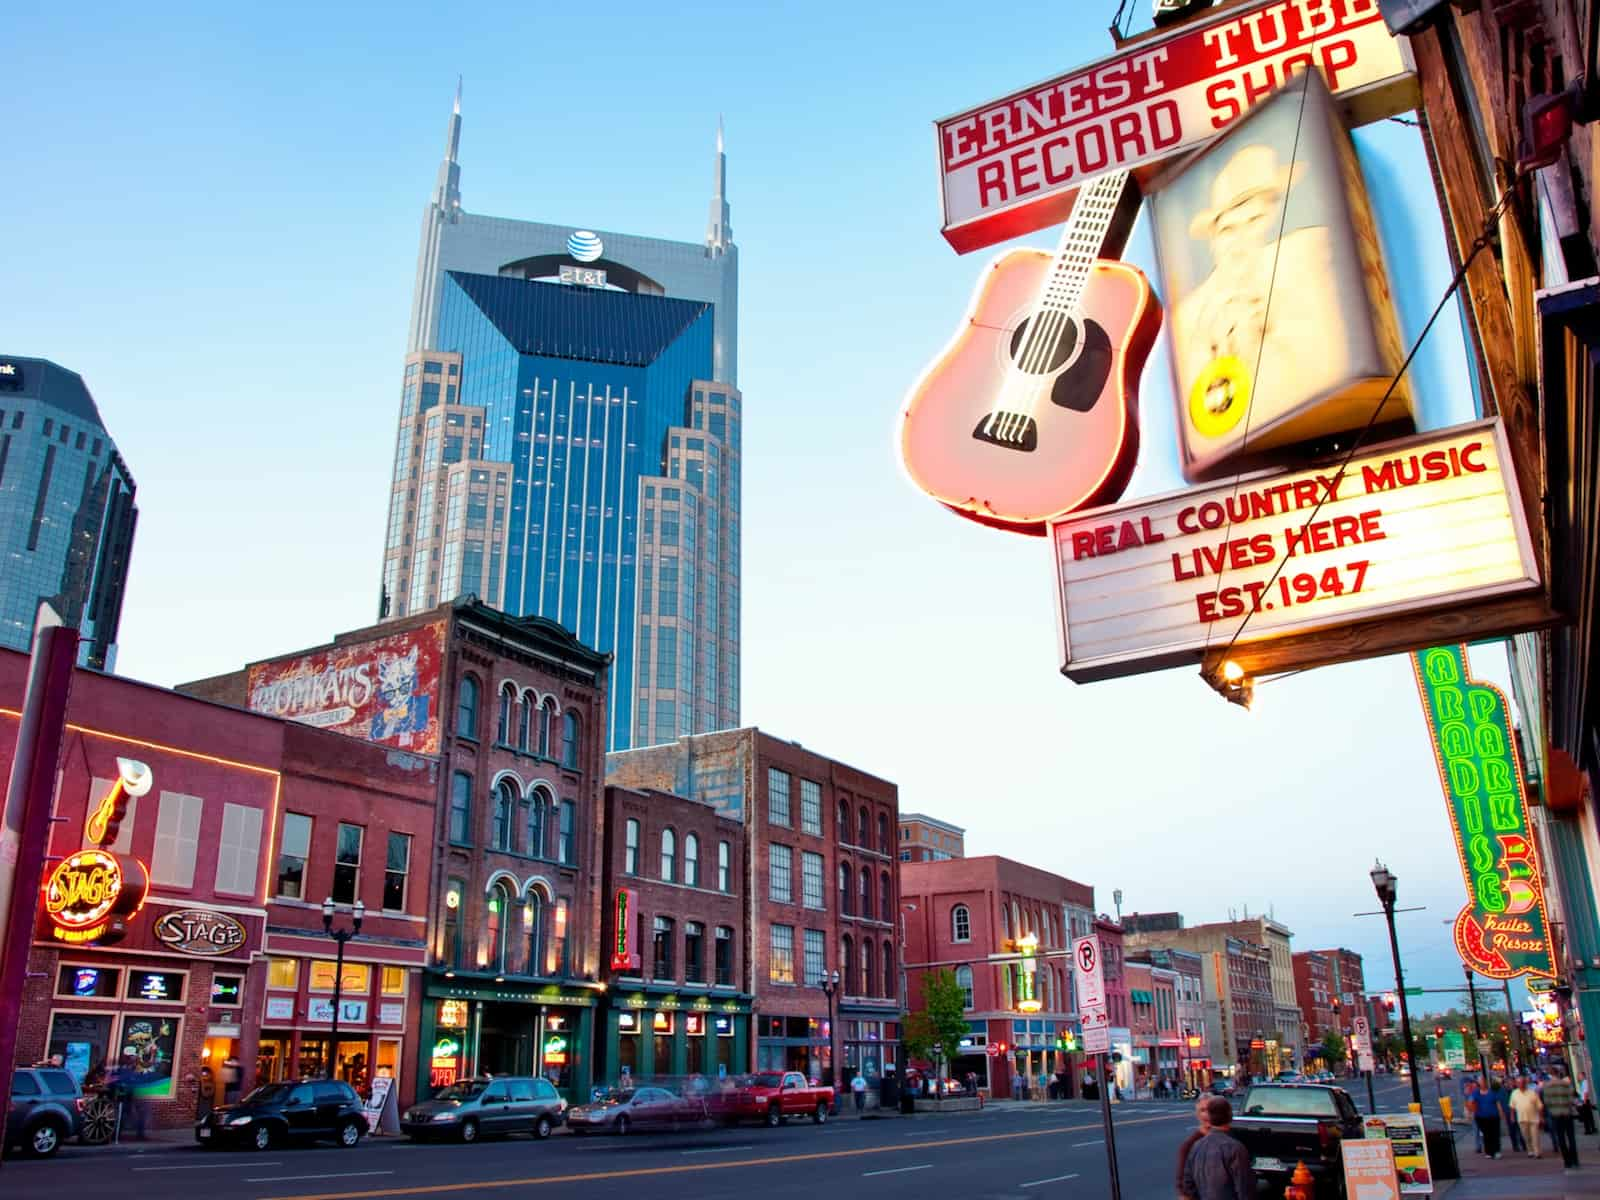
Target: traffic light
point(1503, 1029)
point(1438, 1031)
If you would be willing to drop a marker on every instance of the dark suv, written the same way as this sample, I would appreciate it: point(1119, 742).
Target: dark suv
point(286, 1112)
point(46, 1109)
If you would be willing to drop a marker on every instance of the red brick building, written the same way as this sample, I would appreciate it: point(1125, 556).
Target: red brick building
point(928, 839)
point(679, 1000)
point(1142, 1024)
point(1348, 983)
point(959, 912)
point(514, 711)
point(182, 1000)
point(1313, 988)
point(822, 893)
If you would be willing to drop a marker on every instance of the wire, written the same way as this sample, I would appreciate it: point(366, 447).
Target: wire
point(1482, 241)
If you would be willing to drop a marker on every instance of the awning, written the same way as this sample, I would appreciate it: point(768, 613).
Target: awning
point(1140, 996)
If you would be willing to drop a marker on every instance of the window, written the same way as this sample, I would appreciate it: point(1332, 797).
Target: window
point(393, 981)
point(524, 721)
point(866, 892)
point(691, 860)
point(467, 708)
point(565, 849)
point(296, 844)
point(547, 712)
point(889, 989)
point(535, 825)
point(845, 906)
point(347, 864)
point(960, 924)
point(505, 804)
point(461, 808)
point(694, 942)
point(452, 923)
point(357, 977)
point(177, 839)
point(395, 868)
point(811, 879)
point(869, 966)
point(669, 855)
point(863, 830)
point(724, 960)
point(885, 898)
point(502, 729)
point(661, 956)
point(847, 964)
point(283, 972)
point(495, 927)
point(239, 851)
point(816, 957)
point(778, 797)
point(630, 850)
point(724, 866)
point(569, 741)
point(780, 873)
point(964, 982)
point(883, 833)
point(811, 807)
point(780, 967)
point(844, 821)
point(533, 926)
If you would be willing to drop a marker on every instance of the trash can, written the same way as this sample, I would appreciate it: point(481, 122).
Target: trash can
point(1442, 1154)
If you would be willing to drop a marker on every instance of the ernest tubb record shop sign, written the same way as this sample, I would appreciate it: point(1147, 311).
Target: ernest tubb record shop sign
point(1013, 166)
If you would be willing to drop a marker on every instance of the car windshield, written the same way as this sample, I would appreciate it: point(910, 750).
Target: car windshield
point(269, 1093)
point(765, 1081)
point(1290, 1102)
point(463, 1089)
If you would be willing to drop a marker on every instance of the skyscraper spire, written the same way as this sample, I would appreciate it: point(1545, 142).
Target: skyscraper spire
point(447, 191)
point(719, 228)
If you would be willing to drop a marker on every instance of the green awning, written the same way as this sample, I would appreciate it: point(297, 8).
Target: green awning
point(1140, 996)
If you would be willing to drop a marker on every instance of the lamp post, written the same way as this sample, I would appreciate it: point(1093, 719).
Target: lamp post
point(340, 937)
point(907, 906)
point(830, 988)
point(1383, 882)
point(1477, 1025)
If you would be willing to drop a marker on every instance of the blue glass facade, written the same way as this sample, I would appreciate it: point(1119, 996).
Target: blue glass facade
point(66, 510)
point(579, 389)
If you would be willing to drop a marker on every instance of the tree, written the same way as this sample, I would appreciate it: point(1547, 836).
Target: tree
point(1333, 1049)
point(940, 1021)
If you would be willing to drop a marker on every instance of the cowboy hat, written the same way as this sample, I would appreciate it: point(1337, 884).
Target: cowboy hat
point(1251, 171)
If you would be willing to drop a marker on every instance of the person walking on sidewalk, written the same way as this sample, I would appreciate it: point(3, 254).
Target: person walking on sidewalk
point(1488, 1118)
point(1470, 1095)
point(1528, 1110)
point(1560, 1103)
point(1218, 1166)
point(1513, 1129)
point(858, 1089)
point(1202, 1118)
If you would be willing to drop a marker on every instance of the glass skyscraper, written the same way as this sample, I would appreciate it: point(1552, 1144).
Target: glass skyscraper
point(569, 447)
point(66, 510)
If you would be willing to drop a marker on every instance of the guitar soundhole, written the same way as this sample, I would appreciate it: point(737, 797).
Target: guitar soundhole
point(1058, 338)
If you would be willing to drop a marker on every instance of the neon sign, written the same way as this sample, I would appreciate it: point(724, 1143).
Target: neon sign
point(1502, 930)
point(624, 946)
point(90, 895)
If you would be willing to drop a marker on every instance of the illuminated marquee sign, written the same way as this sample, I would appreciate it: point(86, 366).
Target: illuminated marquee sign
point(1415, 524)
point(1502, 930)
point(1012, 166)
point(90, 895)
point(625, 937)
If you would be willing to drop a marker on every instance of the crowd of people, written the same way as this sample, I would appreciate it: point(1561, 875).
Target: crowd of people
point(1531, 1107)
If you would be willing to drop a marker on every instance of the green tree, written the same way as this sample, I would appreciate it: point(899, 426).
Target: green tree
point(940, 1021)
point(1333, 1048)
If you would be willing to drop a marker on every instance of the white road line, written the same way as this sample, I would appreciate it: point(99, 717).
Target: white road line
point(210, 1166)
point(1090, 1142)
point(334, 1175)
point(1052, 1179)
point(720, 1149)
point(897, 1170)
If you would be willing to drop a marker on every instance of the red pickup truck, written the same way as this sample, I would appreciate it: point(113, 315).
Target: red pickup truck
point(770, 1096)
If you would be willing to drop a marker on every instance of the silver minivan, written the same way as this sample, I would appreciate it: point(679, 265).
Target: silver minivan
point(487, 1106)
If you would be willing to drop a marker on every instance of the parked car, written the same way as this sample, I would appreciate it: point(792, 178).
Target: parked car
point(1220, 1087)
point(472, 1108)
point(771, 1096)
point(1282, 1124)
point(647, 1107)
point(46, 1110)
point(287, 1112)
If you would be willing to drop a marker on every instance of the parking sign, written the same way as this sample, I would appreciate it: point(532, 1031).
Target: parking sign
point(1089, 973)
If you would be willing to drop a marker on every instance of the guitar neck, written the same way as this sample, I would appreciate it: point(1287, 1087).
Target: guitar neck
point(1082, 241)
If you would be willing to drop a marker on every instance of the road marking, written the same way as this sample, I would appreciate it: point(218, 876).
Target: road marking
point(480, 1185)
point(332, 1175)
point(210, 1166)
point(720, 1150)
point(897, 1170)
point(1052, 1179)
point(1090, 1142)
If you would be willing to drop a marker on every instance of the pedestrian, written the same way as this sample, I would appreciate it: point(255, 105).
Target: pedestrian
point(1470, 1093)
point(1560, 1103)
point(1527, 1108)
point(1586, 1106)
point(1513, 1128)
point(1202, 1118)
point(1218, 1166)
point(858, 1089)
point(1016, 1085)
point(1487, 1114)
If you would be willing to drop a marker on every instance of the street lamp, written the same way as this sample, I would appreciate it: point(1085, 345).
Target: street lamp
point(357, 913)
point(830, 988)
point(1383, 882)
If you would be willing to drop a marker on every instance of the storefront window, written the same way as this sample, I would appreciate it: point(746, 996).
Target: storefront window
point(157, 985)
point(283, 972)
point(82, 1040)
point(559, 1051)
point(357, 977)
point(79, 980)
point(394, 981)
point(227, 991)
point(147, 1043)
point(661, 1026)
point(628, 1043)
point(272, 1059)
point(694, 1030)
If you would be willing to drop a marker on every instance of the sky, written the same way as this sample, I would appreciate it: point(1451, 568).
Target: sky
point(212, 214)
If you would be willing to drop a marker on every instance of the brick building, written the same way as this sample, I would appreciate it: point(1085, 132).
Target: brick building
point(1142, 1024)
point(927, 839)
point(187, 997)
point(821, 890)
point(1184, 1045)
point(679, 1001)
point(514, 711)
point(1313, 987)
point(1348, 983)
point(1119, 999)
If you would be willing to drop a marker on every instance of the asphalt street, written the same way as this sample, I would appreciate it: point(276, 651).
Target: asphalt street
point(1023, 1152)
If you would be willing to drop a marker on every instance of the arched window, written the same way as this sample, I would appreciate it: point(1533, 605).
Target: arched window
point(524, 721)
point(691, 860)
point(885, 898)
point(845, 889)
point(502, 729)
point(505, 805)
point(964, 982)
point(1005, 921)
point(869, 966)
point(866, 892)
point(883, 833)
point(888, 969)
point(467, 708)
point(863, 828)
point(669, 855)
point(537, 808)
point(495, 927)
point(533, 926)
point(1016, 921)
point(844, 821)
point(569, 741)
point(847, 959)
point(547, 714)
point(960, 924)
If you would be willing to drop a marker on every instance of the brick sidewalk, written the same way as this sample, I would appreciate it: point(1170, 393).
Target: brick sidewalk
point(1518, 1177)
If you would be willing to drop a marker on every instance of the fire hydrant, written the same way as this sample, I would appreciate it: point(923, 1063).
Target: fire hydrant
point(1301, 1185)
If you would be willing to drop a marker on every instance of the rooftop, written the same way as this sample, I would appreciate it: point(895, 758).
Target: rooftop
point(42, 380)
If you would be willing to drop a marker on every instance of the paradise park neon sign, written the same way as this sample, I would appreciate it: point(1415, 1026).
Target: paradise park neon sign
point(91, 893)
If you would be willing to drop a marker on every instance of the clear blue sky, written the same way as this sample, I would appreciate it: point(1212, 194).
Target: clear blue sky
point(212, 213)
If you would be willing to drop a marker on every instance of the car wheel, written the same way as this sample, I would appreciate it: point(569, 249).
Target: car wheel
point(542, 1128)
point(469, 1131)
point(261, 1138)
point(821, 1115)
point(350, 1134)
point(774, 1117)
point(44, 1139)
point(622, 1126)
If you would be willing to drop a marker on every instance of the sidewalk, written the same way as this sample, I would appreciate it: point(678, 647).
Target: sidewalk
point(1517, 1177)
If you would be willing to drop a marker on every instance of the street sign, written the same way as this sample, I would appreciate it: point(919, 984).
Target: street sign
point(1097, 1039)
point(1089, 973)
point(1416, 991)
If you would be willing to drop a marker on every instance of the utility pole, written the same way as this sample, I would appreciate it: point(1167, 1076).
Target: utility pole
point(1477, 1026)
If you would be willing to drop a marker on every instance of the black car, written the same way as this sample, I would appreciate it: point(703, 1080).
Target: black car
point(46, 1109)
point(284, 1112)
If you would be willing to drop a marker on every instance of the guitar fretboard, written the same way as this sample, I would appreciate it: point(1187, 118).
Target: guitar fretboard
point(1081, 243)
